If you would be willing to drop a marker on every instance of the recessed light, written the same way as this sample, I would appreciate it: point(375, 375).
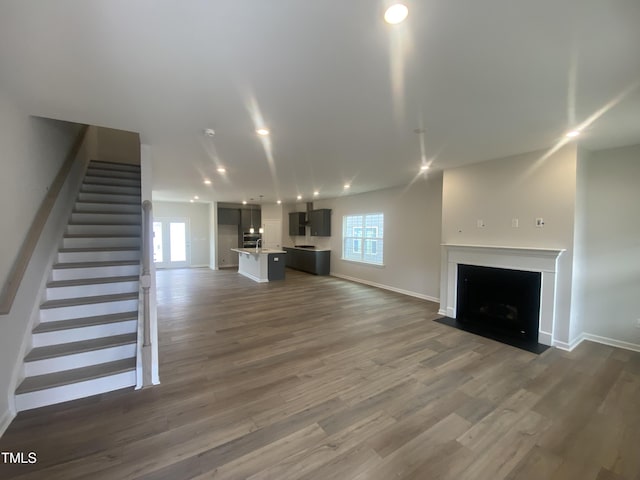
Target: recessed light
point(299, 197)
point(424, 167)
point(347, 186)
point(207, 181)
point(396, 13)
point(196, 197)
point(244, 202)
point(192, 200)
point(262, 131)
point(573, 134)
point(279, 202)
point(222, 170)
point(209, 132)
point(316, 193)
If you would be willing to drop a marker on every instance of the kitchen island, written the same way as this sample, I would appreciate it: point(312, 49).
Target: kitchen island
point(262, 264)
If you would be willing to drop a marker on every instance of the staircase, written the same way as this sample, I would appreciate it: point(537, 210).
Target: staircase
point(86, 342)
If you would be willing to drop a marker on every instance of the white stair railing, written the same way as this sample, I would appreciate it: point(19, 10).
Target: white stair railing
point(145, 283)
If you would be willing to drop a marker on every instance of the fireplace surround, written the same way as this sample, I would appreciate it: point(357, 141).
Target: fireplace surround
point(541, 260)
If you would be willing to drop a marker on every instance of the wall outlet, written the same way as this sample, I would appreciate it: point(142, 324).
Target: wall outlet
point(539, 222)
point(515, 222)
point(480, 223)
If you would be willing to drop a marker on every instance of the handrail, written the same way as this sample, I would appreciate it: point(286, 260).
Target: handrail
point(10, 288)
point(145, 282)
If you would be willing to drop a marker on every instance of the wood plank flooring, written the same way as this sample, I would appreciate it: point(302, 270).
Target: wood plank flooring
point(320, 378)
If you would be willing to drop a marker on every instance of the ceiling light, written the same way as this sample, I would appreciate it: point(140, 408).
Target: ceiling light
point(222, 170)
point(299, 197)
point(573, 134)
point(279, 202)
point(207, 181)
point(262, 131)
point(196, 197)
point(244, 202)
point(316, 193)
point(424, 168)
point(191, 200)
point(396, 13)
point(209, 132)
point(347, 186)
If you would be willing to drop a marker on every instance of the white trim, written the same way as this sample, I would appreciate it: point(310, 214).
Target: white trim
point(612, 342)
point(5, 420)
point(252, 277)
point(201, 265)
point(361, 262)
point(387, 287)
point(568, 346)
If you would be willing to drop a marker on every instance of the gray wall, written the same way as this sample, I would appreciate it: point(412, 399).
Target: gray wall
point(412, 219)
point(610, 296)
point(199, 231)
point(525, 187)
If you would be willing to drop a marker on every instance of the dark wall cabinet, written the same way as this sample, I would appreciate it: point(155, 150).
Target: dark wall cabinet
point(246, 217)
point(297, 223)
point(310, 261)
point(320, 222)
point(228, 216)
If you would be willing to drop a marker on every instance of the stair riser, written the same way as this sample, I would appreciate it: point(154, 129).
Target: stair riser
point(101, 242)
point(120, 167)
point(94, 171)
point(122, 182)
point(94, 272)
point(80, 229)
point(84, 333)
point(51, 396)
point(107, 207)
point(79, 311)
point(90, 188)
point(59, 293)
point(79, 360)
point(109, 197)
point(99, 256)
point(101, 218)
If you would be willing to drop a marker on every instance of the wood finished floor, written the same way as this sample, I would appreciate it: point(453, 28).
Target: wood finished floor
point(320, 378)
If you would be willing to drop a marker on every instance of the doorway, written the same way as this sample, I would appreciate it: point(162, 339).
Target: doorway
point(171, 245)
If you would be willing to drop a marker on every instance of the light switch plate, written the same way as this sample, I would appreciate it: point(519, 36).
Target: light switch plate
point(515, 223)
point(539, 222)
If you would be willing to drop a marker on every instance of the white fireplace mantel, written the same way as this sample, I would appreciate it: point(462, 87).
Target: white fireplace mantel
point(543, 260)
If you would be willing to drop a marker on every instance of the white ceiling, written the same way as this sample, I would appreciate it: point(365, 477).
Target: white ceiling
point(341, 91)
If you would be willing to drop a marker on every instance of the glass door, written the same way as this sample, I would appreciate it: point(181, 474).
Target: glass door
point(171, 247)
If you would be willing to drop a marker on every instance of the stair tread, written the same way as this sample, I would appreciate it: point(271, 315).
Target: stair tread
point(41, 382)
point(110, 224)
point(106, 212)
point(98, 249)
point(85, 322)
point(71, 302)
point(95, 264)
point(114, 164)
point(53, 351)
point(105, 185)
point(100, 235)
point(92, 281)
point(96, 171)
point(103, 202)
point(117, 194)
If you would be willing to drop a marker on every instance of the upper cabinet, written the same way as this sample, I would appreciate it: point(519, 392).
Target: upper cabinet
point(228, 216)
point(248, 217)
point(320, 222)
point(297, 222)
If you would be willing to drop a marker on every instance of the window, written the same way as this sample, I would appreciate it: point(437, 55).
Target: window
point(362, 238)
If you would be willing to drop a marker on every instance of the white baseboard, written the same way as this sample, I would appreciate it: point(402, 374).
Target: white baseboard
point(611, 342)
point(5, 420)
point(387, 287)
point(253, 277)
point(442, 312)
point(568, 346)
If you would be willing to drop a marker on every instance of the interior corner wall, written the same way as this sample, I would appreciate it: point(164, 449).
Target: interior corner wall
point(118, 146)
point(610, 302)
point(523, 187)
point(199, 217)
point(412, 222)
point(32, 150)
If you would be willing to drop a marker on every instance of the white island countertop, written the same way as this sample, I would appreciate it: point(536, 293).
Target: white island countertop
point(254, 263)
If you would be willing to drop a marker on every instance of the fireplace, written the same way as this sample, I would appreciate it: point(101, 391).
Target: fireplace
point(499, 301)
point(540, 262)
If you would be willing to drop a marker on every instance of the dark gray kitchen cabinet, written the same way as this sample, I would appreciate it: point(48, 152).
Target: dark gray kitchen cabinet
point(297, 223)
point(228, 216)
point(249, 216)
point(310, 261)
point(320, 222)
